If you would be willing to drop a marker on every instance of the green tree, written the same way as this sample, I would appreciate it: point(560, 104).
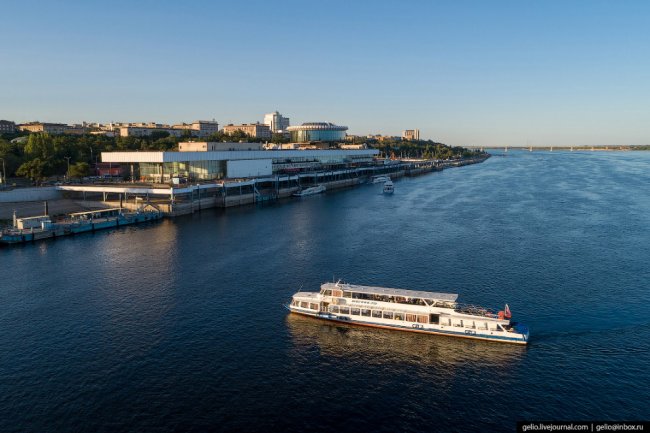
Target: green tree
point(79, 170)
point(33, 169)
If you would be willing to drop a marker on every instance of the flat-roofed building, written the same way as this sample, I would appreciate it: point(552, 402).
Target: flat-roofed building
point(50, 128)
point(411, 134)
point(199, 128)
point(253, 130)
point(7, 127)
point(212, 146)
point(146, 131)
point(210, 165)
point(276, 122)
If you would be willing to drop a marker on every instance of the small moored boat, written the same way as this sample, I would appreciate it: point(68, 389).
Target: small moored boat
point(310, 191)
point(388, 187)
point(408, 310)
point(379, 178)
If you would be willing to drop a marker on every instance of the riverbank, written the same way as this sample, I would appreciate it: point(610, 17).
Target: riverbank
point(188, 199)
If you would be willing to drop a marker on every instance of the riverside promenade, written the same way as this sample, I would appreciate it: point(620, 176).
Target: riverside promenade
point(186, 199)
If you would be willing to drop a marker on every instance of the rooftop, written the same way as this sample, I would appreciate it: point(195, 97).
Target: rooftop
point(446, 297)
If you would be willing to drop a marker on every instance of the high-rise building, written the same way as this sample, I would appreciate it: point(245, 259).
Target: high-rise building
point(411, 134)
point(276, 122)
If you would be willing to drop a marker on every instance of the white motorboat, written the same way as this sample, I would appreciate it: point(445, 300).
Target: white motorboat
point(310, 191)
point(388, 187)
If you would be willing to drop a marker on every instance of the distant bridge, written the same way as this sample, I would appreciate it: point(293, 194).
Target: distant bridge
point(555, 148)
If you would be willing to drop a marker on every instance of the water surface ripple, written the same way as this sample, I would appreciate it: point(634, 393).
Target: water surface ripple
point(179, 326)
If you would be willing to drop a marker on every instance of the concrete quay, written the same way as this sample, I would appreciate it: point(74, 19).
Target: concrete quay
point(174, 201)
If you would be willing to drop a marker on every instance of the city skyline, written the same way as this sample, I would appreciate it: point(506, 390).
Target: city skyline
point(462, 73)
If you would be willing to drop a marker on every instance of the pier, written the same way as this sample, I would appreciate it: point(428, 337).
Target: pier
point(178, 200)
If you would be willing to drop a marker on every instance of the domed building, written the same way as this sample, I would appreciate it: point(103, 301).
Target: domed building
point(317, 131)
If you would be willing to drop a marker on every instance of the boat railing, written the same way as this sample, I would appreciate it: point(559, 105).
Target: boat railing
point(476, 310)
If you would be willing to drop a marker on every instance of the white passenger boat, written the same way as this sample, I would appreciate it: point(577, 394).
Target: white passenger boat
point(388, 187)
point(310, 191)
point(408, 310)
point(379, 178)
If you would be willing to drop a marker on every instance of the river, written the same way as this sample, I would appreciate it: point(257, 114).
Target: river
point(180, 326)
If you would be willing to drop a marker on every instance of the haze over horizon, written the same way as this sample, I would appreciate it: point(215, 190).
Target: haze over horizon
point(464, 73)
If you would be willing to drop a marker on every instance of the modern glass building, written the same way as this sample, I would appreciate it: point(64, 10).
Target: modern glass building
point(317, 131)
point(213, 165)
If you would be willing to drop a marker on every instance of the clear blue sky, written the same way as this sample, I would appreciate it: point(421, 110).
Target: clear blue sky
point(463, 72)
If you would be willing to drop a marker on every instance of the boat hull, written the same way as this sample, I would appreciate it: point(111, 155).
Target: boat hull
point(412, 328)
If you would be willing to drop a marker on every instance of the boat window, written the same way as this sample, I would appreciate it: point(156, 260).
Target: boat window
point(294, 303)
point(376, 313)
point(434, 318)
point(334, 309)
point(313, 306)
point(304, 305)
point(355, 311)
point(399, 316)
point(388, 315)
point(347, 294)
point(327, 292)
point(365, 313)
point(337, 293)
point(345, 310)
point(422, 319)
point(411, 318)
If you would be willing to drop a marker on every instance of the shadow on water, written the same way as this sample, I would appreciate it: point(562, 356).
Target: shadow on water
point(381, 346)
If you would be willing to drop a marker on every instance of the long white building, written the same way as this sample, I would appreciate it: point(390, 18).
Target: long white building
point(162, 167)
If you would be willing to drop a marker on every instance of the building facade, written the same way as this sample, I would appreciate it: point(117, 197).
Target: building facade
point(163, 167)
point(253, 130)
point(411, 134)
point(204, 146)
point(7, 127)
point(317, 131)
point(50, 128)
point(276, 122)
point(199, 128)
point(146, 131)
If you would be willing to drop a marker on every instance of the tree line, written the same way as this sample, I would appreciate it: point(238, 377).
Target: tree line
point(38, 156)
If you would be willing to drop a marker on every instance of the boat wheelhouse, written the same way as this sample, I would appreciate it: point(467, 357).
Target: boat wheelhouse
point(408, 310)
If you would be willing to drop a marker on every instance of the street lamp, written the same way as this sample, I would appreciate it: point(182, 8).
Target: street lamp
point(67, 174)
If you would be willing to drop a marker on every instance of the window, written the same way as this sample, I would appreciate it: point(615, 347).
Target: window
point(334, 309)
point(313, 306)
point(411, 318)
point(304, 305)
point(345, 310)
point(355, 311)
point(376, 313)
point(327, 292)
point(399, 316)
point(388, 315)
point(434, 318)
point(422, 319)
point(337, 293)
point(365, 313)
point(347, 294)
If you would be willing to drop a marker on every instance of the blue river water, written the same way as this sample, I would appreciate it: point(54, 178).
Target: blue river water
point(180, 326)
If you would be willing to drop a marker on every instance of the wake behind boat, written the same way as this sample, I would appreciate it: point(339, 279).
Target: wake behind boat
point(310, 191)
point(408, 310)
